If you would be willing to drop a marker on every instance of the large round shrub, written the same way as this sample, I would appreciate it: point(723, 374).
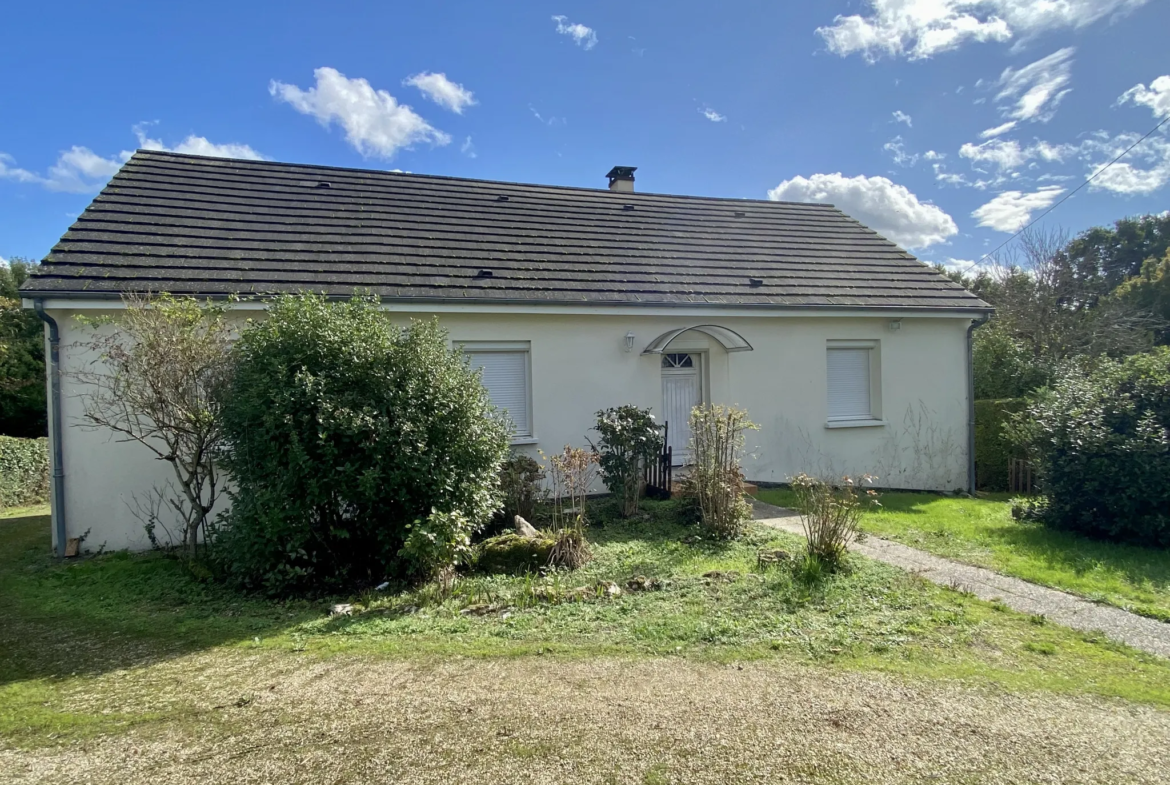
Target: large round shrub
point(357, 450)
point(1101, 440)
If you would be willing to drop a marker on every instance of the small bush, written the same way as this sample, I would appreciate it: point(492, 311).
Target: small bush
point(511, 554)
point(993, 450)
point(629, 440)
point(358, 450)
point(831, 516)
point(715, 480)
point(1100, 439)
point(24, 471)
point(521, 483)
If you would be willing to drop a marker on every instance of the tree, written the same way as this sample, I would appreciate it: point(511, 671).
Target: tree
point(22, 358)
point(1049, 312)
point(1150, 291)
point(1113, 255)
point(152, 381)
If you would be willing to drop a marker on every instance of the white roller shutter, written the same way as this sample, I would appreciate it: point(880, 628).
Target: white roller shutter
point(505, 374)
point(849, 384)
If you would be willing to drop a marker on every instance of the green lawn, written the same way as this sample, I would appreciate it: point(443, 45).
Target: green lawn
point(61, 625)
point(982, 531)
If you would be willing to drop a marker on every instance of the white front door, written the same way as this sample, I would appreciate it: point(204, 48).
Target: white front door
point(682, 390)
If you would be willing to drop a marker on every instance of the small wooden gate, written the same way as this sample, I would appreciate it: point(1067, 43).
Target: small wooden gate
point(659, 470)
point(1020, 476)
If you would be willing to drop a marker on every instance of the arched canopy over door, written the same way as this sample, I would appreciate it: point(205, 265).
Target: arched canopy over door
point(729, 339)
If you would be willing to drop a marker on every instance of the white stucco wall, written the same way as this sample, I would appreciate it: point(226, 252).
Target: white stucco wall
point(579, 365)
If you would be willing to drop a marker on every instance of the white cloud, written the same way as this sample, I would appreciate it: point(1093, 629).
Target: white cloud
point(998, 130)
point(712, 115)
point(551, 122)
point(1156, 96)
point(887, 208)
point(897, 151)
point(902, 117)
point(10, 172)
point(931, 155)
point(948, 178)
point(374, 122)
point(1010, 211)
point(1037, 89)
point(1145, 169)
point(468, 149)
point(917, 29)
point(583, 36)
point(1008, 155)
point(77, 170)
point(80, 170)
point(197, 145)
point(1003, 155)
point(442, 91)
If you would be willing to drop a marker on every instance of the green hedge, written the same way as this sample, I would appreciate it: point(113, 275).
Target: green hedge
point(992, 451)
point(24, 471)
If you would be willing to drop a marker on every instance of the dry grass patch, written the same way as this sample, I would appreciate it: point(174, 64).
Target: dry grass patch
point(228, 716)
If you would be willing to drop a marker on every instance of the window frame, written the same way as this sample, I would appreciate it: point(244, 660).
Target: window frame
point(874, 418)
point(509, 347)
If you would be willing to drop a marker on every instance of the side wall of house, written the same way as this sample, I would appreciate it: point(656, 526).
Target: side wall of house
point(579, 365)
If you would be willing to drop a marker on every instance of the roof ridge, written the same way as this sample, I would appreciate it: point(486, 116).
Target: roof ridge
point(455, 178)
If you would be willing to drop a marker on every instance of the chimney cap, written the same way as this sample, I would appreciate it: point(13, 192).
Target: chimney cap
point(621, 173)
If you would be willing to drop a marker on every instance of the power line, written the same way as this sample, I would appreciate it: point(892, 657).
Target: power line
point(1064, 198)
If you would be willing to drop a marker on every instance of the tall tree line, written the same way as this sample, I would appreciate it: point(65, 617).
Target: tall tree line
point(1064, 301)
point(22, 358)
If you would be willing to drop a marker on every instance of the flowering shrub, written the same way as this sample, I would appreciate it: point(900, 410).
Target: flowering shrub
point(629, 440)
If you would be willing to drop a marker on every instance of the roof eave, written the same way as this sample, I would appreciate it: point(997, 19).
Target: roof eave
point(980, 308)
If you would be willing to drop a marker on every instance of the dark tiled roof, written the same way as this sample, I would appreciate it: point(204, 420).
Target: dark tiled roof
point(193, 225)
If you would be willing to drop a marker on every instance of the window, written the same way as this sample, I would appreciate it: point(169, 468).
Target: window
point(506, 376)
point(851, 387)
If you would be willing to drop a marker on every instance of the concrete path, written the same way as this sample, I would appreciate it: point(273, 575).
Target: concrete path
point(1137, 631)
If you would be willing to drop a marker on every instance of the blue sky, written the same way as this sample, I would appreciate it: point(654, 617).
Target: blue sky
point(945, 124)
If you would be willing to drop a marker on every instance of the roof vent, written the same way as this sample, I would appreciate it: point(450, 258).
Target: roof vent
point(740, 214)
point(627, 207)
point(621, 178)
point(484, 274)
point(501, 198)
point(322, 184)
point(755, 282)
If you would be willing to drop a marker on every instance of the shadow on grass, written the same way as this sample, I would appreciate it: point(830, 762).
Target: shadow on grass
point(114, 611)
point(1078, 554)
point(1058, 550)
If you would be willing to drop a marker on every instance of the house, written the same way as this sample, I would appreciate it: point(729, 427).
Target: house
point(851, 355)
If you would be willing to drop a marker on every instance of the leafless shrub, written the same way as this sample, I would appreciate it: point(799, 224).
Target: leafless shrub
point(715, 480)
point(151, 381)
point(831, 514)
point(571, 473)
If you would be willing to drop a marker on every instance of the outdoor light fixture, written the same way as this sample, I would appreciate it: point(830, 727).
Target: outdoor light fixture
point(629, 342)
point(895, 325)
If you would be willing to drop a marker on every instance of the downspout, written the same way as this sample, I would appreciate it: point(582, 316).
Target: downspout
point(971, 402)
point(55, 423)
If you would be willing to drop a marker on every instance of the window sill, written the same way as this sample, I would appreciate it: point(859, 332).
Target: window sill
point(524, 440)
point(855, 423)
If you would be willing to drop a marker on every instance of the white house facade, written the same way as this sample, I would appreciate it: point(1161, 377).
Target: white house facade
point(851, 356)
